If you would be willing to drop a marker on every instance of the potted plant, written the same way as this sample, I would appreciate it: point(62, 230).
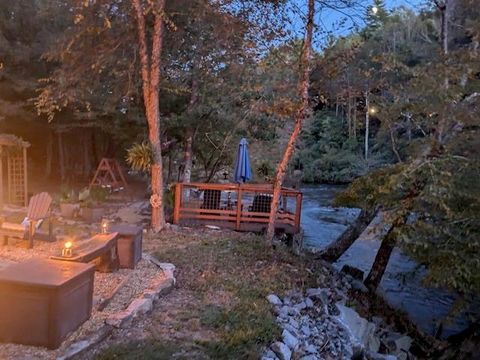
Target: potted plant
point(69, 205)
point(90, 203)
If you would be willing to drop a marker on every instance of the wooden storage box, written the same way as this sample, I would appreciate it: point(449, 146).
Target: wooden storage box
point(129, 244)
point(42, 301)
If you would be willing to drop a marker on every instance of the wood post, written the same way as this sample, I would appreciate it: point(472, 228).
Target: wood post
point(239, 208)
point(1, 179)
point(178, 202)
point(298, 211)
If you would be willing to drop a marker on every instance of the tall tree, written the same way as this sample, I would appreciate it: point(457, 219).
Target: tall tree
point(150, 71)
point(303, 87)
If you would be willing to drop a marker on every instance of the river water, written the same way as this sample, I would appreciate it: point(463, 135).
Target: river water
point(401, 286)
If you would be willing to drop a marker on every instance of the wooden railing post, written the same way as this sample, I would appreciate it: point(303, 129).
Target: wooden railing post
point(178, 202)
point(239, 208)
point(298, 211)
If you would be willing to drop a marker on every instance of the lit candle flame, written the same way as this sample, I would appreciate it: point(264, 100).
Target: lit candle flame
point(68, 245)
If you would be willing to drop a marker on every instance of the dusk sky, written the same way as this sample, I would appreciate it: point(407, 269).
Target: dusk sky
point(342, 22)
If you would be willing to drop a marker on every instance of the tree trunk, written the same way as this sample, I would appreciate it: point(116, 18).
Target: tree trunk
point(189, 134)
point(394, 145)
point(187, 157)
point(61, 157)
point(335, 250)
point(354, 118)
point(49, 154)
point(303, 87)
point(367, 123)
point(444, 9)
point(87, 164)
point(383, 255)
point(169, 171)
point(349, 116)
point(150, 71)
point(381, 261)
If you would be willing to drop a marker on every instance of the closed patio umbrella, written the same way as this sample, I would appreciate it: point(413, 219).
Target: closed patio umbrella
point(243, 170)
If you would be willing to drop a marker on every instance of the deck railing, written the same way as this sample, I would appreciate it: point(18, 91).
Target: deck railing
point(242, 207)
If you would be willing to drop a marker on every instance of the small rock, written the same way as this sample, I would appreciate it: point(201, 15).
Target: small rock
point(290, 340)
point(373, 343)
point(294, 323)
point(310, 357)
point(306, 331)
point(274, 300)
point(290, 328)
point(321, 294)
point(359, 286)
point(377, 320)
point(300, 306)
point(397, 342)
point(308, 302)
point(311, 349)
point(270, 354)
point(281, 350)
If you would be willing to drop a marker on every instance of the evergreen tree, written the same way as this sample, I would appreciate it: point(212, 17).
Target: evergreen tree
point(376, 17)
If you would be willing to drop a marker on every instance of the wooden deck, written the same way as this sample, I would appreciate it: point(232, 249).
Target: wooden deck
point(241, 207)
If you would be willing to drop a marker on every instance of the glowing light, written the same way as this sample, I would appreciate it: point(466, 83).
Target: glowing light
point(372, 110)
point(104, 226)
point(67, 249)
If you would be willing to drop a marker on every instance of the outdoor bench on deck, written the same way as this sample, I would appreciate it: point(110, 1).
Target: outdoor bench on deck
point(100, 249)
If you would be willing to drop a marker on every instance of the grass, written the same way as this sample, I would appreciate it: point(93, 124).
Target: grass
point(223, 280)
point(139, 350)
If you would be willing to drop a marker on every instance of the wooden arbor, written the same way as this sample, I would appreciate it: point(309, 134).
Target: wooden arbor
point(13, 170)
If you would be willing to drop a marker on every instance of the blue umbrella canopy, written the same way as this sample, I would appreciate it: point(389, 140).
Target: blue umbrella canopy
point(243, 170)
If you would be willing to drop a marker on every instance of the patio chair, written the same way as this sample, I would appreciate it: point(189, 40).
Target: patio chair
point(38, 211)
point(261, 203)
point(211, 199)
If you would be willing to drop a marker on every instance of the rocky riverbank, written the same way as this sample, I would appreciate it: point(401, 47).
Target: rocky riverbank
point(319, 324)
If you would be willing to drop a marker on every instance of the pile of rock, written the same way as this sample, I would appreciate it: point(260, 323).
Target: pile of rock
point(318, 325)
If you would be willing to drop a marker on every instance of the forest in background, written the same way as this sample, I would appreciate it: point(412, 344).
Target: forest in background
point(394, 106)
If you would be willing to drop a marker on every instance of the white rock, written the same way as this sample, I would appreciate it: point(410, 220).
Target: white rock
point(306, 331)
point(290, 328)
point(311, 349)
point(274, 300)
point(360, 329)
point(300, 306)
point(294, 323)
point(310, 357)
point(308, 302)
point(281, 350)
point(290, 340)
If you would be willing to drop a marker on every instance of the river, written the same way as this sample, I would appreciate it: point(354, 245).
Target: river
point(401, 285)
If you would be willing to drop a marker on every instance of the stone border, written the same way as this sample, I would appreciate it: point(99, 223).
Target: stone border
point(140, 305)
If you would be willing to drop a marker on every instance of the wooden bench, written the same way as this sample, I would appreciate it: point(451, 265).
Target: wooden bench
point(101, 250)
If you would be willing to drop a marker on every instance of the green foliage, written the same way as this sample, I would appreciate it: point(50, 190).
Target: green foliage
point(67, 195)
point(328, 155)
point(90, 197)
point(265, 170)
point(140, 157)
point(442, 196)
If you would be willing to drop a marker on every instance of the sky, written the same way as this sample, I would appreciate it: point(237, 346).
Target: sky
point(341, 22)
